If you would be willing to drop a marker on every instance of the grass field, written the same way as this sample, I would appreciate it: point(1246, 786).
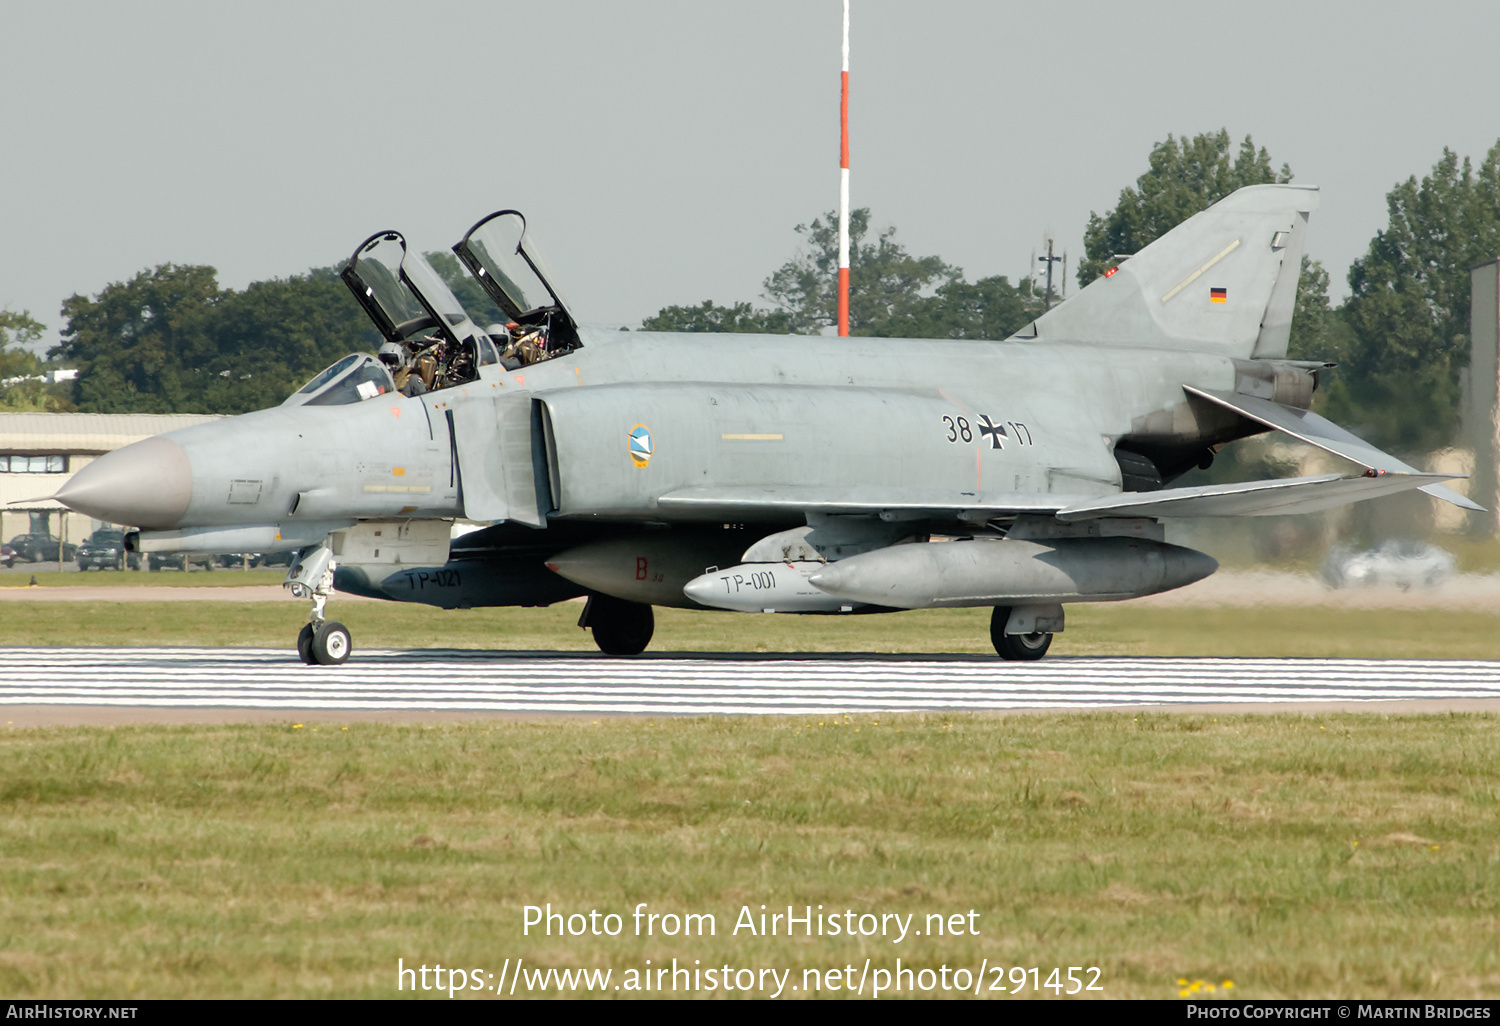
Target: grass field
point(1339, 855)
point(168, 579)
point(1103, 629)
point(1293, 856)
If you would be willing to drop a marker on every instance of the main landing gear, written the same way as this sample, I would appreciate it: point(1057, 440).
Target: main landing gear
point(322, 642)
point(1020, 647)
point(620, 628)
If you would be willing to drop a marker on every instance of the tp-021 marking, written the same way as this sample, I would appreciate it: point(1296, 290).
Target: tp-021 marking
point(460, 681)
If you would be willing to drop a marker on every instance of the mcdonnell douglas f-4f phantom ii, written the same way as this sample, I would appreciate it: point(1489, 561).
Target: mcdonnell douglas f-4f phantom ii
point(786, 474)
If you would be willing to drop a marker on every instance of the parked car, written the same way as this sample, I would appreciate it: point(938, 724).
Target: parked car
point(178, 560)
point(236, 560)
point(7, 556)
point(42, 548)
point(105, 550)
point(1406, 564)
point(283, 558)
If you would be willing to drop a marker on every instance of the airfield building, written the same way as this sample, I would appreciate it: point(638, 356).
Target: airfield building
point(39, 452)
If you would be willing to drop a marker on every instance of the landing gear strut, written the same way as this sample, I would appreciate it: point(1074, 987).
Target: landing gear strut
point(620, 628)
point(322, 642)
point(1021, 647)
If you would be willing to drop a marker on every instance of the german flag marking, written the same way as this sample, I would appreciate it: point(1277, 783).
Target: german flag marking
point(1218, 295)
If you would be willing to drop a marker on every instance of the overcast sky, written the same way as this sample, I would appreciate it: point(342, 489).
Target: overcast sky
point(663, 150)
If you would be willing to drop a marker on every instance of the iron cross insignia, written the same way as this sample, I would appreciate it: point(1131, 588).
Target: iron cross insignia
point(995, 432)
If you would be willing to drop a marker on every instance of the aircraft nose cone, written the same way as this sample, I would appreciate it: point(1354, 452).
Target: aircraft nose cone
point(146, 484)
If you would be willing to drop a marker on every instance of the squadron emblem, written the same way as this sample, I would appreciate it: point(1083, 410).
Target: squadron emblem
point(640, 445)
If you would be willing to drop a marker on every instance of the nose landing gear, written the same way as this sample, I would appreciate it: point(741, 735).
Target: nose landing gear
point(322, 642)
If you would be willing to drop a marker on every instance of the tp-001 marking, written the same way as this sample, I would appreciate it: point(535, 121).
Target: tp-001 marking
point(461, 681)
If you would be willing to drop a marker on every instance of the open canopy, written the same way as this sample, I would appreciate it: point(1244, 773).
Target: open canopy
point(402, 293)
point(499, 254)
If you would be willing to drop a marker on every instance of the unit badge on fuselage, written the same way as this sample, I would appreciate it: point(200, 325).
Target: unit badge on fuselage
point(640, 445)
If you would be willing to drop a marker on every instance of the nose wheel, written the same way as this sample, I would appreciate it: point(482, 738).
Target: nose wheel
point(326, 644)
point(321, 642)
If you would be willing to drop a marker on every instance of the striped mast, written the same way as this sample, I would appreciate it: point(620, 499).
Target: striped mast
point(844, 185)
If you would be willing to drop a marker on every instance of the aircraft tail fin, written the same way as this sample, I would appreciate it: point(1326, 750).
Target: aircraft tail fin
point(1224, 281)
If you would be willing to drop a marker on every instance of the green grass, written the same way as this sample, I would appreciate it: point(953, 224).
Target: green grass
point(1104, 629)
point(1297, 856)
point(219, 578)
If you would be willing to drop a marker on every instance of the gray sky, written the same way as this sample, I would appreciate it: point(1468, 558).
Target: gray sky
point(663, 150)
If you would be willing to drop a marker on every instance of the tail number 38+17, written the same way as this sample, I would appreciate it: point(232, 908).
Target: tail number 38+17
point(960, 430)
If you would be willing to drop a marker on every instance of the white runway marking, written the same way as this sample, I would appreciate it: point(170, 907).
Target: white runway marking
point(461, 681)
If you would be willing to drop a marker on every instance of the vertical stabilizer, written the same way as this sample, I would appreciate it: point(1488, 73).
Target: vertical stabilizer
point(1224, 281)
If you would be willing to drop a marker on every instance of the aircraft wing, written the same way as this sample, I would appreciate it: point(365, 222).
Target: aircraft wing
point(1251, 498)
point(897, 504)
point(1308, 427)
point(1245, 499)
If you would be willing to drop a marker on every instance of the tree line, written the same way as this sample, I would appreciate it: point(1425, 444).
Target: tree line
point(171, 340)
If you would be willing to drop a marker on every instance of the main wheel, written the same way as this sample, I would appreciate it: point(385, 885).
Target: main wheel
point(621, 628)
point(1016, 647)
point(331, 643)
point(304, 645)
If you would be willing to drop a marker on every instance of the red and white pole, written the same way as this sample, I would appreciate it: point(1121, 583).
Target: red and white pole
point(844, 186)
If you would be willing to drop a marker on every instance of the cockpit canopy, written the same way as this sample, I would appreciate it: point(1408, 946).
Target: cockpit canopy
point(437, 343)
point(355, 378)
point(498, 252)
point(402, 293)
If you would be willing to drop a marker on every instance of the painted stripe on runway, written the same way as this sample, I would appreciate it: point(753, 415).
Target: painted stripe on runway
point(521, 682)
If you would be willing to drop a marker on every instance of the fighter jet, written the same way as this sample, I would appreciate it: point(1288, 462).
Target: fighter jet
point(754, 473)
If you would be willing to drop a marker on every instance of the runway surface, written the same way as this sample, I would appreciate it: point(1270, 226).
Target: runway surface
point(451, 681)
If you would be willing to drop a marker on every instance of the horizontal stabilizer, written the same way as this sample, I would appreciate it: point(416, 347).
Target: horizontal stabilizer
point(1249, 499)
point(1308, 427)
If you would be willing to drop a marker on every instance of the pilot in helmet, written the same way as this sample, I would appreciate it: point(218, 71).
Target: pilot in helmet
point(393, 355)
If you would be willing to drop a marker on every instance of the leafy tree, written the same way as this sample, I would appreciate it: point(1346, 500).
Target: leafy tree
point(709, 316)
point(481, 308)
point(21, 367)
point(17, 331)
point(1407, 316)
point(1184, 177)
point(988, 308)
point(137, 344)
point(883, 278)
point(171, 341)
point(1314, 323)
point(891, 293)
point(271, 338)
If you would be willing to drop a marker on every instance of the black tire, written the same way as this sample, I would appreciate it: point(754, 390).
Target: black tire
point(621, 628)
point(304, 645)
point(153, 565)
point(1016, 647)
point(331, 643)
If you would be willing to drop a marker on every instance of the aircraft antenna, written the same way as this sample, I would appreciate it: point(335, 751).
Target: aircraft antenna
point(844, 185)
point(1049, 260)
